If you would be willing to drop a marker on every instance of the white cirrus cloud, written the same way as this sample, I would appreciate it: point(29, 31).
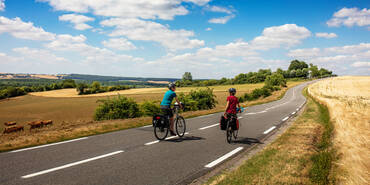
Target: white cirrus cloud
point(119, 44)
point(350, 17)
point(361, 64)
point(221, 20)
point(145, 9)
point(219, 9)
point(326, 35)
point(79, 21)
point(136, 29)
point(23, 30)
point(287, 35)
point(2, 5)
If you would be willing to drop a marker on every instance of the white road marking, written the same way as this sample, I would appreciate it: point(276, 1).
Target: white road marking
point(286, 118)
point(293, 112)
point(157, 141)
point(150, 143)
point(297, 109)
point(208, 126)
point(250, 113)
point(42, 146)
point(70, 165)
point(147, 126)
point(224, 157)
point(240, 117)
point(269, 130)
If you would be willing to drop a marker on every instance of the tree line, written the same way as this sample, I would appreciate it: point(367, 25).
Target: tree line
point(296, 69)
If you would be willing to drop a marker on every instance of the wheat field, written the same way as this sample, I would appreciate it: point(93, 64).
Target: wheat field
point(348, 100)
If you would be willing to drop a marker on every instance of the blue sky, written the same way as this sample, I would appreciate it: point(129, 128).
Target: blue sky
point(165, 38)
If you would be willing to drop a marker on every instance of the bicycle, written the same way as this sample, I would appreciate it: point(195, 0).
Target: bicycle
point(231, 126)
point(161, 124)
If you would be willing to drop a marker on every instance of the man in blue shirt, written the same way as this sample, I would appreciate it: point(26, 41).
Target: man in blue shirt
point(166, 104)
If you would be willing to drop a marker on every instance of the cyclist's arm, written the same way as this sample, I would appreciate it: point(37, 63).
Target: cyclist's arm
point(177, 100)
point(227, 106)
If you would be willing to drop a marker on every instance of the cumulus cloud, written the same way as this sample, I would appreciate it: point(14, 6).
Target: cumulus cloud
point(339, 58)
point(287, 35)
point(119, 44)
point(221, 20)
point(23, 30)
point(136, 29)
point(219, 9)
point(38, 54)
point(208, 29)
point(350, 17)
point(361, 64)
point(2, 5)
point(145, 9)
point(326, 35)
point(77, 20)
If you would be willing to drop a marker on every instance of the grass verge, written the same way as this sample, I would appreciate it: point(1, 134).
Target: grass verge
point(67, 130)
point(301, 155)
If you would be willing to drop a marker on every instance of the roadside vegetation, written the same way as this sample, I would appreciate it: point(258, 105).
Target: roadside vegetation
point(301, 155)
point(348, 100)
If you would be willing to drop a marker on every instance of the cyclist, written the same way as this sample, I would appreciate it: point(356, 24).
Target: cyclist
point(166, 104)
point(232, 102)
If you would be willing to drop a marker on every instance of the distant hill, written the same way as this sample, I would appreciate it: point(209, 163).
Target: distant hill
point(85, 77)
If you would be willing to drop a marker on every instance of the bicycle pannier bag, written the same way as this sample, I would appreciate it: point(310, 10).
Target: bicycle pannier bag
point(223, 123)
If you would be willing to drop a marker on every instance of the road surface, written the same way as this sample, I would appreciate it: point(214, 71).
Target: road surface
point(134, 156)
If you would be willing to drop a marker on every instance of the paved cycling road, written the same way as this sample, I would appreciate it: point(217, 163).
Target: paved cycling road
point(134, 156)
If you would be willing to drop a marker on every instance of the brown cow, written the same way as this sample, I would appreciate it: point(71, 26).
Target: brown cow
point(10, 123)
point(35, 124)
point(13, 129)
point(47, 122)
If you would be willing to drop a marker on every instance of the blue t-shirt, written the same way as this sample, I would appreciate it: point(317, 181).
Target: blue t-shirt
point(168, 97)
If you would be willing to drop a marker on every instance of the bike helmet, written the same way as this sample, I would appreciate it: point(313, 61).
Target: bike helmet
point(232, 90)
point(171, 85)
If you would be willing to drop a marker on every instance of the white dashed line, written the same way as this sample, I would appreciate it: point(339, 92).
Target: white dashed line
point(297, 109)
point(208, 126)
point(52, 144)
point(157, 141)
point(240, 117)
point(293, 113)
point(70, 165)
point(286, 118)
point(224, 157)
point(250, 113)
point(269, 130)
point(147, 126)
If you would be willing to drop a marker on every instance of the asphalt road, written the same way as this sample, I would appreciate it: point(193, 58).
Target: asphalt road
point(134, 156)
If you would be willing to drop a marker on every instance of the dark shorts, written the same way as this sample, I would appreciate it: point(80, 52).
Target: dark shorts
point(167, 111)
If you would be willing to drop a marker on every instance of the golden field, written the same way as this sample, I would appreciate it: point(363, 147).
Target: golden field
point(348, 101)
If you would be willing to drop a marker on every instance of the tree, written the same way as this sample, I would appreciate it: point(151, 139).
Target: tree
point(69, 83)
point(275, 80)
point(314, 71)
point(187, 76)
point(95, 86)
point(296, 64)
point(81, 88)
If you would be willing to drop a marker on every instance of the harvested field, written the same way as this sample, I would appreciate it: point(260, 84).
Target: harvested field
point(73, 117)
point(348, 100)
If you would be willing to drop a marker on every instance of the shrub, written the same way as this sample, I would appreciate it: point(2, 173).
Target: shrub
point(68, 83)
point(275, 79)
point(81, 88)
point(150, 108)
point(117, 108)
point(204, 97)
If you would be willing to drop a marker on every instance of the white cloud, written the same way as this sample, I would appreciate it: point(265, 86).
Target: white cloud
point(77, 20)
point(339, 59)
point(221, 20)
point(2, 5)
point(287, 35)
point(326, 35)
point(208, 29)
point(219, 9)
point(38, 54)
point(136, 29)
point(119, 44)
point(23, 30)
point(361, 64)
point(350, 17)
point(145, 9)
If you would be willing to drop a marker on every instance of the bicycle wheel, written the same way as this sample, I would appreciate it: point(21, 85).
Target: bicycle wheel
point(161, 130)
point(180, 126)
point(229, 132)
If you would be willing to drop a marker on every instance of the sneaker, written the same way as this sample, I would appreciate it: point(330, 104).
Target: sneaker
point(172, 133)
